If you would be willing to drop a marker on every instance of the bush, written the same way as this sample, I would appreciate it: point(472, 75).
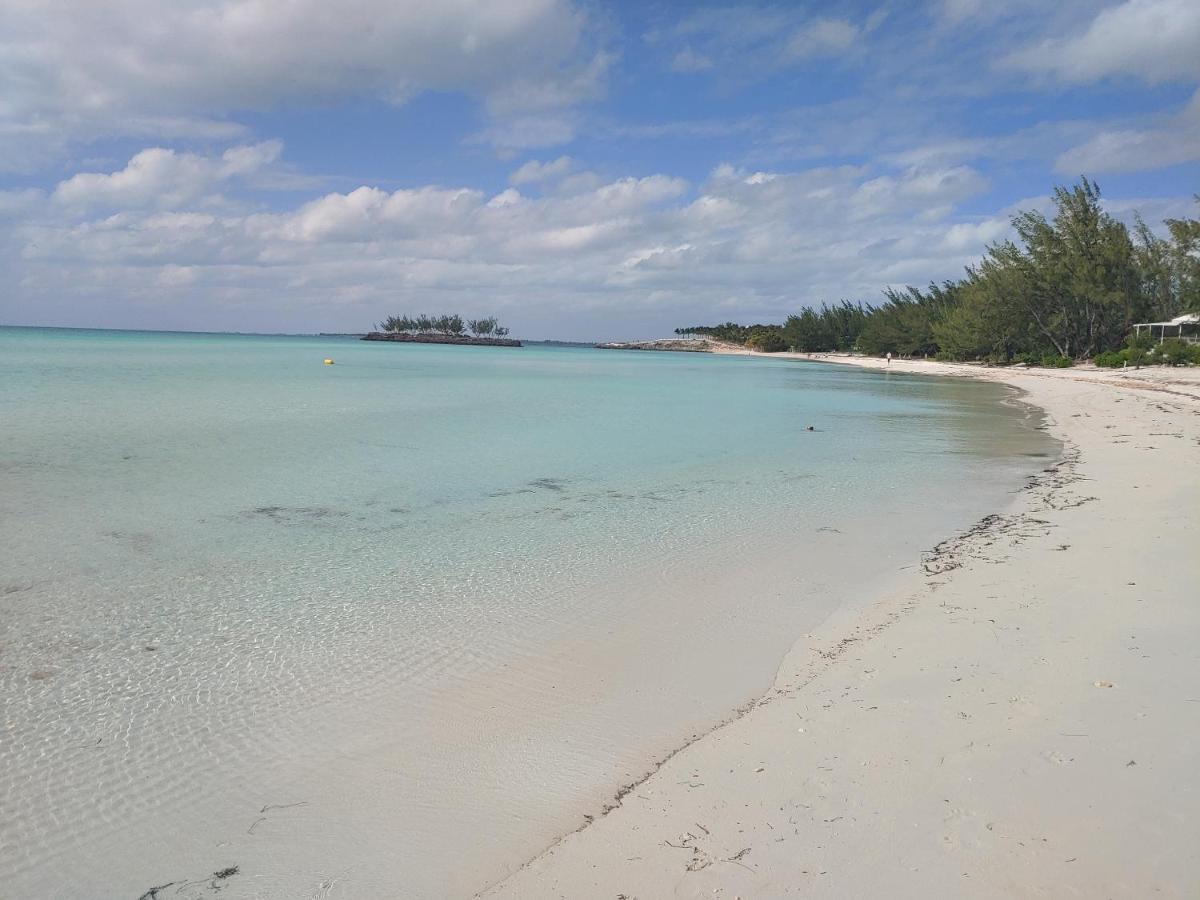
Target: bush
point(1135, 356)
point(1139, 340)
point(1110, 359)
point(1175, 352)
point(1052, 361)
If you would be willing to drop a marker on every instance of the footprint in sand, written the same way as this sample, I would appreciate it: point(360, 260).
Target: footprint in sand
point(1057, 758)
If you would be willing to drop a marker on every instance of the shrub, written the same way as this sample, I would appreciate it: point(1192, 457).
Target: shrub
point(1135, 356)
point(1053, 361)
point(1139, 340)
point(1174, 352)
point(1110, 359)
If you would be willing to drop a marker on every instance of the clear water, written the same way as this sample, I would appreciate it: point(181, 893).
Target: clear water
point(387, 627)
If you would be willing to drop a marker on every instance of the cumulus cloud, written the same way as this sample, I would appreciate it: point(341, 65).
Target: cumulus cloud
point(371, 214)
point(164, 178)
point(1154, 40)
point(137, 67)
point(651, 249)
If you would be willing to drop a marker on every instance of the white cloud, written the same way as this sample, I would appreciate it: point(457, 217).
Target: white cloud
point(756, 243)
point(517, 133)
point(141, 67)
point(524, 91)
point(921, 189)
point(508, 197)
point(966, 237)
point(1155, 40)
point(368, 214)
point(1170, 142)
point(164, 178)
point(750, 42)
point(1130, 151)
point(535, 172)
point(16, 204)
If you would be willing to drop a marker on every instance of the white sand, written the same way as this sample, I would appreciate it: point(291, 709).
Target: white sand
point(1022, 719)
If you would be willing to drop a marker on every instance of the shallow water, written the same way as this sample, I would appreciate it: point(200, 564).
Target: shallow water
point(386, 628)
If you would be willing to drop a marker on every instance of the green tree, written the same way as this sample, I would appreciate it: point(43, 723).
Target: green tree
point(903, 324)
point(986, 322)
point(1081, 282)
point(482, 327)
point(1157, 278)
point(1184, 262)
point(829, 328)
point(767, 339)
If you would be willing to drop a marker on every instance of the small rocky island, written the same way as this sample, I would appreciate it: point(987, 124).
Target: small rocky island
point(443, 330)
point(678, 346)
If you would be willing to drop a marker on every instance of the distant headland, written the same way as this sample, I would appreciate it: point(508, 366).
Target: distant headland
point(688, 346)
point(451, 329)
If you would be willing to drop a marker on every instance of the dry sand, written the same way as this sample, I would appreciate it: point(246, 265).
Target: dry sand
point(1022, 719)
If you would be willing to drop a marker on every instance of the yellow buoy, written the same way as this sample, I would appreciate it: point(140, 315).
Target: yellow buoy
point(329, 362)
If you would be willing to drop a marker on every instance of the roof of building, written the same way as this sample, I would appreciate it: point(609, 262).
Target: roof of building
point(1187, 319)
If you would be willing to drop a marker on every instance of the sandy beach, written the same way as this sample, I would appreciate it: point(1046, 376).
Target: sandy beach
point(1021, 718)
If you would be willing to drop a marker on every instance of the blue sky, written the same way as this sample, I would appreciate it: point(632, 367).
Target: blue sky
point(580, 169)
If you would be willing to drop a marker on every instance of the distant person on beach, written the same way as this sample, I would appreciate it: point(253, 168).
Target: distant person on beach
point(889, 357)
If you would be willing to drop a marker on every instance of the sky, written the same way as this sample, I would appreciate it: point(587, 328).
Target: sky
point(582, 170)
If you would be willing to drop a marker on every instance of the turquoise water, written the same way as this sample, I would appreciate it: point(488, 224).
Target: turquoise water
point(433, 600)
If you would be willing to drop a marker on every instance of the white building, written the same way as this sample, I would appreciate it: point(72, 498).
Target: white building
point(1184, 327)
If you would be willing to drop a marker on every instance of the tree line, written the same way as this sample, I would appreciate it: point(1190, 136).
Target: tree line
point(1069, 287)
point(450, 324)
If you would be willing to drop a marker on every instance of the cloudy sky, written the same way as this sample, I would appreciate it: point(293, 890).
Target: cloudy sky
point(582, 169)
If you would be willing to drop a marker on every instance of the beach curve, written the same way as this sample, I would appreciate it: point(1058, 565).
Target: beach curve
point(1015, 720)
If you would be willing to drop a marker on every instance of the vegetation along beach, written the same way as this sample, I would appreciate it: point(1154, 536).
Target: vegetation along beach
point(599, 450)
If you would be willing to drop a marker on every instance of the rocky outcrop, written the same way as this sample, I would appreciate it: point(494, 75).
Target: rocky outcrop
point(668, 344)
point(402, 338)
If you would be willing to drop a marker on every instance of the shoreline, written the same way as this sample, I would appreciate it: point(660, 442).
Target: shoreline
point(412, 735)
point(1182, 381)
point(803, 791)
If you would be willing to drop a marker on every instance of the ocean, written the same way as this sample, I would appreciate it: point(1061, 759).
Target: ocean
point(388, 627)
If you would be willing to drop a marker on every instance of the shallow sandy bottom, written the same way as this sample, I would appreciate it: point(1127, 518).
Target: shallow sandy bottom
point(219, 652)
point(1021, 719)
